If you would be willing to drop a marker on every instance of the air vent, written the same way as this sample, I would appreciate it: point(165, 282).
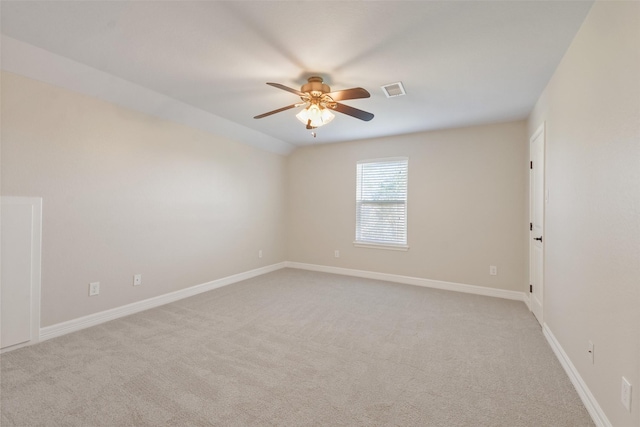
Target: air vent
point(393, 89)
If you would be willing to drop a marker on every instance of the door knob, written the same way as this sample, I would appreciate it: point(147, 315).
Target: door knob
point(538, 238)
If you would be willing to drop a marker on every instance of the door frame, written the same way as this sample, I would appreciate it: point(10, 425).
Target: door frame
point(36, 260)
point(539, 314)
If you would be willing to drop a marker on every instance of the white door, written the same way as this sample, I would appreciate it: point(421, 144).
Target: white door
point(20, 278)
point(536, 227)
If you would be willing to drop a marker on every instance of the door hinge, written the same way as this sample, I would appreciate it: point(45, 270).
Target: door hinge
point(530, 288)
point(531, 165)
point(530, 226)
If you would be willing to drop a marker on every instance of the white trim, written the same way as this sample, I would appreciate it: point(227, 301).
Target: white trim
point(125, 310)
point(590, 402)
point(527, 299)
point(533, 307)
point(36, 267)
point(74, 325)
point(416, 281)
point(538, 131)
point(387, 246)
point(17, 346)
point(383, 159)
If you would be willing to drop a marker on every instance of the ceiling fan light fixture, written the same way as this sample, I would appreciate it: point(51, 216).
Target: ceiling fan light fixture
point(319, 101)
point(315, 115)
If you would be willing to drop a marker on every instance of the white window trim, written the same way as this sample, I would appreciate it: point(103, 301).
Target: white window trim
point(387, 246)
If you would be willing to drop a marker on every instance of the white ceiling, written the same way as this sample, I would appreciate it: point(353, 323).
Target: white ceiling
point(461, 62)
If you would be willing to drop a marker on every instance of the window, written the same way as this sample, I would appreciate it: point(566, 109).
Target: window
point(381, 203)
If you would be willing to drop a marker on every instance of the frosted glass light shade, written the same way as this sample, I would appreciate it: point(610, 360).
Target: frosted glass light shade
point(318, 116)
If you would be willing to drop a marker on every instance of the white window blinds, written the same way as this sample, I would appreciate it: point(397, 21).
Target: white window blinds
point(381, 201)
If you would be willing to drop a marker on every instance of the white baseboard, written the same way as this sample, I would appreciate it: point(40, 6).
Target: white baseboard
point(590, 402)
point(449, 286)
point(73, 325)
point(585, 394)
point(527, 300)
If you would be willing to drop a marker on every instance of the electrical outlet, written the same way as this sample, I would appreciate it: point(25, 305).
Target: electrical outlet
point(94, 288)
point(590, 350)
point(137, 279)
point(625, 394)
point(493, 270)
point(260, 253)
point(336, 253)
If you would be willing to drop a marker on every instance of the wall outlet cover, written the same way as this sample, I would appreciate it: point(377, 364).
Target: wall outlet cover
point(94, 288)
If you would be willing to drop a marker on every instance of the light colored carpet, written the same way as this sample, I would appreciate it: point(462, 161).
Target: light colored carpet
point(298, 348)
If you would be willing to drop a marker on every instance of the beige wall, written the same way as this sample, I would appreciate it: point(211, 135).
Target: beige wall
point(592, 278)
point(126, 193)
point(466, 205)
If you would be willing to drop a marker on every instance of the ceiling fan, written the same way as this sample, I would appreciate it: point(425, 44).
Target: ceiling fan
point(319, 101)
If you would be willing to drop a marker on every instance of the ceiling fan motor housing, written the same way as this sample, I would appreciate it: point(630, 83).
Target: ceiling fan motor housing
point(315, 86)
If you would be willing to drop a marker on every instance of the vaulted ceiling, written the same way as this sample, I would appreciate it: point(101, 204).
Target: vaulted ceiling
point(461, 62)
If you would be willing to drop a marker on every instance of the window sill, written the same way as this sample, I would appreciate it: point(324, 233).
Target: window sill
point(386, 246)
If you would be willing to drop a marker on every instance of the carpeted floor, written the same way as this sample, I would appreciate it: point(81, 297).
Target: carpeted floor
point(298, 348)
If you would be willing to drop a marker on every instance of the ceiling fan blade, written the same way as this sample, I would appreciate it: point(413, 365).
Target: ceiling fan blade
point(353, 112)
point(353, 93)
point(288, 107)
point(288, 89)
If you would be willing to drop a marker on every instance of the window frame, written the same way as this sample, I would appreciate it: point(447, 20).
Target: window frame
point(384, 245)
